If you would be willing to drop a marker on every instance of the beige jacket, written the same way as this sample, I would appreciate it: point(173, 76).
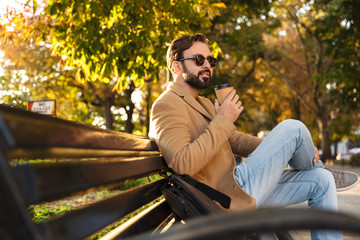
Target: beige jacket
point(196, 141)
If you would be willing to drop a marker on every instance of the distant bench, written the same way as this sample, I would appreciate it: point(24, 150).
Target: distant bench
point(76, 159)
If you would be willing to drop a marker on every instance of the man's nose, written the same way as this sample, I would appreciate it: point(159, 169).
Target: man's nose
point(207, 63)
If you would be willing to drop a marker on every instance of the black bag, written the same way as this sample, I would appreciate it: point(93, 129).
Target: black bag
point(190, 198)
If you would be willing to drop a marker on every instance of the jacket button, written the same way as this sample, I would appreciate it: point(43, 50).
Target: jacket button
point(227, 151)
point(234, 185)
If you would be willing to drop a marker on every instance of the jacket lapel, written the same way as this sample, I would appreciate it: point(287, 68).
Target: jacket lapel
point(202, 108)
point(209, 107)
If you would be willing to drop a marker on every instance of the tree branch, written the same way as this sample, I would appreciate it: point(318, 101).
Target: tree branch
point(290, 85)
point(252, 69)
point(296, 20)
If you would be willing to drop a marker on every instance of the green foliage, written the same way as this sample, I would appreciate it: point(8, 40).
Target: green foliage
point(40, 213)
point(338, 29)
point(123, 39)
point(104, 46)
point(18, 162)
point(138, 182)
point(32, 73)
point(291, 59)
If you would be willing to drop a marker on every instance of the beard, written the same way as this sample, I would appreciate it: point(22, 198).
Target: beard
point(194, 80)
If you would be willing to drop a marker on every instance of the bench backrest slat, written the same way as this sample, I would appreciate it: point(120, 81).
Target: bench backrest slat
point(44, 182)
point(59, 152)
point(35, 130)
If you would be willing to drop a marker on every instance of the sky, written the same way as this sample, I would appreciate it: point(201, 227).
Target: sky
point(9, 3)
point(4, 4)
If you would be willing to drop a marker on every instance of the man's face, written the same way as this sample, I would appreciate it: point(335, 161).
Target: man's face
point(198, 77)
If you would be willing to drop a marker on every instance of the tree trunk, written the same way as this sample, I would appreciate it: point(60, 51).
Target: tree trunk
point(108, 114)
point(335, 148)
point(148, 106)
point(296, 105)
point(129, 126)
point(324, 137)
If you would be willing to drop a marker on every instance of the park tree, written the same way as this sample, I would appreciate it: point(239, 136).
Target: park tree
point(29, 65)
point(317, 53)
point(151, 90)
point(304, 53)
point(122, 40)
point(121, 44)
point(31, 73)
point(113, 46)
point(239, 32)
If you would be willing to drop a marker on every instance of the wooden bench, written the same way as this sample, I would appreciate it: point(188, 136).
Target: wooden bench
point(76, 159)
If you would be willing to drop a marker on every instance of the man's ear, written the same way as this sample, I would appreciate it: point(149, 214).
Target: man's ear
point(177, 67)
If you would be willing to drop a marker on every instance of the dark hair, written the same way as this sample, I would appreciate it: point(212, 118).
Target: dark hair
point(180, 44)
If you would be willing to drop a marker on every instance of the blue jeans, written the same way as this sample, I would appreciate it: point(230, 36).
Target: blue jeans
point(264, 177)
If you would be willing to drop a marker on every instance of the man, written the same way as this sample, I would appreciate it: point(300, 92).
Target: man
point(199, 138)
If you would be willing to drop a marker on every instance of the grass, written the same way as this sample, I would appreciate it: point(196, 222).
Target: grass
point(45, 211)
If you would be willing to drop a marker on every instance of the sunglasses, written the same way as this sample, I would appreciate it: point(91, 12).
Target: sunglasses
point(200, 60)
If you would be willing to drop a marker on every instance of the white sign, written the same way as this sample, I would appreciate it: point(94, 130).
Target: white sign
point(46, 107)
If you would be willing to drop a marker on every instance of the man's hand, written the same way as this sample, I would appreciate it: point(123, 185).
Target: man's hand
point(317, 156)
point(231, 107)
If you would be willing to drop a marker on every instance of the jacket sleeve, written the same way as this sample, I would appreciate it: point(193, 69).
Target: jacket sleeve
point(243, 144)
point(171, 129)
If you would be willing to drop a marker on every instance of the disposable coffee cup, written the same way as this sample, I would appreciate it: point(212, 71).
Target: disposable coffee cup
point(222, 91)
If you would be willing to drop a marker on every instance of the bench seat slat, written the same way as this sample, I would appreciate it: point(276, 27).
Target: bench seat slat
point(146, 222)
point(81, 223)
point(45, 182)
